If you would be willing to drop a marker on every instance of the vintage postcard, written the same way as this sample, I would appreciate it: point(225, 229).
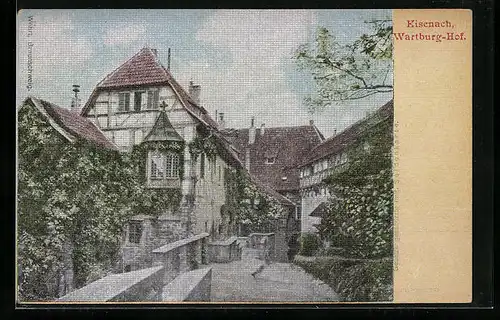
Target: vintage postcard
point(244, 156)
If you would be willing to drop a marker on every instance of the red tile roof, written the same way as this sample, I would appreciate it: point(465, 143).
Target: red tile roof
point(72, 123)
point(350, 135)
point(288, 144)
point(144, 68)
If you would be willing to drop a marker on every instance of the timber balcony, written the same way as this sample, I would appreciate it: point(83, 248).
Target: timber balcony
point(318, 177)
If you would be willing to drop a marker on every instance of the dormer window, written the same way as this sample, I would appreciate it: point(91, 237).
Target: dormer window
point(270, 155)
point(270, 160)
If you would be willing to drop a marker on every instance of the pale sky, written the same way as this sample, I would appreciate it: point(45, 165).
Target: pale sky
point(241, 58)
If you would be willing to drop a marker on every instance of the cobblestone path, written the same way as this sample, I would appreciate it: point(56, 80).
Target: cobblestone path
point(277, 282)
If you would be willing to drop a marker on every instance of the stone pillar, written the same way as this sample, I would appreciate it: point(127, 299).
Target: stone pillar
point(183, 259)
point(204, 251)
point(168, 263)
point(197, 252)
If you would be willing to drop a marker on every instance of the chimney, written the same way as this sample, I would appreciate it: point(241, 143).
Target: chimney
point(222, 122)
point(251, 132)
point(194, 92)
point(311, 122)
point(262, 128)
point(75, 102)
point(155, 52)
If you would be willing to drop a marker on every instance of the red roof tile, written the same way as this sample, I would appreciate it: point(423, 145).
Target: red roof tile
point(350, 135)
point(72, 123)
point(144, 68)
point(289, 145)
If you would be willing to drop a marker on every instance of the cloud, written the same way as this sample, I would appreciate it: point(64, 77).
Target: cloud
point(254, 83)
point(120, 35)
point(54, 41)
point(50, 52)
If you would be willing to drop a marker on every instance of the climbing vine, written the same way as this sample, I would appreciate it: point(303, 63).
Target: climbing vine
point(359, 219)
point(203, 144)
point(77, 194)
point(257, 211)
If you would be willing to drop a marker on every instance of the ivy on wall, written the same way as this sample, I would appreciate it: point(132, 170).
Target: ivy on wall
point(154, 201)
point(204, 144)
point(255, 210)
point(360, 218)
point(77, 194)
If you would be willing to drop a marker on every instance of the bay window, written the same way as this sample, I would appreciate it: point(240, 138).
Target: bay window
point(164, 169)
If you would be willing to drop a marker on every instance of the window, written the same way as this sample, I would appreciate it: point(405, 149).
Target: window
point(137, 101)
point(270, 160)
point(153, 97)
point(138, 135)
point(164, 165)
point(123, 101)
point(135, 232)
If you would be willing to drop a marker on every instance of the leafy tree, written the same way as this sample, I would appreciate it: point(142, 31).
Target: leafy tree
point(348, 72)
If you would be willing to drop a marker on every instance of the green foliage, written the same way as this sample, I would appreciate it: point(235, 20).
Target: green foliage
point(256, 210)
point(353, 279)
point(359, 218)
point(206, 145)
point(309, 244)
point(152, 201)
point(348, 72)
point(77, 194)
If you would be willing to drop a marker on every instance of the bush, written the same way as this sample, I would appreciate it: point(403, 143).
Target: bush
point(359, 280)
point(309, 244)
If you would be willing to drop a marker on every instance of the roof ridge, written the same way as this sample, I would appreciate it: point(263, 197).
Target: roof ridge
point(51, 110)
point(278, 127)
point(121, 65)
point(370, 116)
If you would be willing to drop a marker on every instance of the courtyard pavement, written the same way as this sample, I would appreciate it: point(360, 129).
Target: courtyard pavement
point(278, 282)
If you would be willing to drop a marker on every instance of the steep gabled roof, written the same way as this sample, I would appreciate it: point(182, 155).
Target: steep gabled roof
point(144, 68)
point(338, 142)
point(69, 124)
point(289, 146)
point(163, 130)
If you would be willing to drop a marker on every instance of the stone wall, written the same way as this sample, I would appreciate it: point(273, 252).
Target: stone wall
point(180, 256)
point(156, 232)
point(224, 251)
point(210, 196)
point(179, 260)
point(194, 285)
point(140, 285)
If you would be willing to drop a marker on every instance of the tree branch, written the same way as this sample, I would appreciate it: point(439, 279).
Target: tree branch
point(345, 71)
